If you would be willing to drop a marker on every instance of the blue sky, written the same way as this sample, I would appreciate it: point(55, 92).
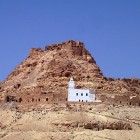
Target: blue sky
point(110, 30)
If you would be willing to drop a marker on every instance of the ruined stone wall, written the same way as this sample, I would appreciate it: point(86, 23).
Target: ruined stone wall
point(122, 100)
point(34, 97)
point(49, 98)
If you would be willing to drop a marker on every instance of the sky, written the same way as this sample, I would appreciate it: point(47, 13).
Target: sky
point(110, 30)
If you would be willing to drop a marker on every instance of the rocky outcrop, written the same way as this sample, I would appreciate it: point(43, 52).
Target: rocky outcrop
point(48, 71)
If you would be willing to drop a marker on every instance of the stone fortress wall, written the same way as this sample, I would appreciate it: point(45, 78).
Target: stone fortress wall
point(75, 48)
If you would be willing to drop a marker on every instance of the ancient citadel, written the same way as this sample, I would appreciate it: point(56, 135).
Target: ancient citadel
point(43, 78)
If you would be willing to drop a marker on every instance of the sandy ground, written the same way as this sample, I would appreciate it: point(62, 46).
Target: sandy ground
point(39, 125)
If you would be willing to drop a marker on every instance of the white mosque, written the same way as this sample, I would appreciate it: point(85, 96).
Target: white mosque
point(79, 95)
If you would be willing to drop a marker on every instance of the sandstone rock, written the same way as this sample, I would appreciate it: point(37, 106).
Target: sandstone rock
point(49, 71)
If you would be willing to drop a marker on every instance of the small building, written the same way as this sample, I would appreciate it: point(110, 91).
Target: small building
point(79, 95)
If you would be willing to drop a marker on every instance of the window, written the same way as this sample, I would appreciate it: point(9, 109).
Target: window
point(82, 100)
point(46, 99)
point(76, 94)
point(20, 100)
point(81, 94)
point(86, 94)
point(79, 100)
point(7, 99)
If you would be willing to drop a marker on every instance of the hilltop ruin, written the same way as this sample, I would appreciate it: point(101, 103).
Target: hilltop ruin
point(43, 77)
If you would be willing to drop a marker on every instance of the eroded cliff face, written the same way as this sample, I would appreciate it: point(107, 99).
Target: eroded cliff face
point(48, 72)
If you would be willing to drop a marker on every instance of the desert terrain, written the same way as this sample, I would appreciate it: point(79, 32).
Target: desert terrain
point(34, 103)
point(62, 122)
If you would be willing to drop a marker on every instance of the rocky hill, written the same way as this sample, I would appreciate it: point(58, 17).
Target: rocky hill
point(48, 72)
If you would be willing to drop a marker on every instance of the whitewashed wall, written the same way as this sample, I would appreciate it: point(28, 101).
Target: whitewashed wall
point(72, 95)
point(81, 97)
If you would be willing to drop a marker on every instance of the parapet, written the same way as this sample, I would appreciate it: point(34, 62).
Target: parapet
point(67, 44)
point(35, 51)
